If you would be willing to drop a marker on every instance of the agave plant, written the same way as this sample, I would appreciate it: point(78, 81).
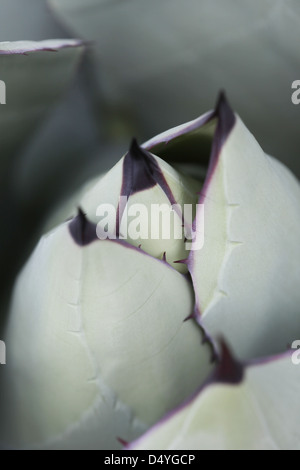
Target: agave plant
point(107, 337)
point(113, 337)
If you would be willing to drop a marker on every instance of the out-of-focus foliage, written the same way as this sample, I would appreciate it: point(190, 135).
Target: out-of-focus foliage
point(165, 60)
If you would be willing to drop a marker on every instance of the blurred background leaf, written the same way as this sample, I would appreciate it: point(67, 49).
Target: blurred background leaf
point(29, 19)
point(37, 74)
point(164, 61)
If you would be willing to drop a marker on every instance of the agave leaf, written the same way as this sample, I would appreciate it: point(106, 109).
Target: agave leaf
point(246, 276)
point(35, 74)
point(249, 407)
point(97, 344)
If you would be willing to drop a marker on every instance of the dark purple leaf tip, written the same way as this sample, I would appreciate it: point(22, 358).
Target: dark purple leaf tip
point(226, 120)
point(225, 123)
point(221, 100)
point(228, 370)
point(139, 170)
point(82, 230)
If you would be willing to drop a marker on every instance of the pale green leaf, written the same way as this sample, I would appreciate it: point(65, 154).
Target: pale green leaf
point(97, 345)
point(260, 413)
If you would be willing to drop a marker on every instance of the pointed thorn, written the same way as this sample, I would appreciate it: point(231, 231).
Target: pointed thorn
point(164, 257)
point(224, 110)
point(221, 100)
point(136, 151)
point(81, 214)
point(182, 261)
point(124, 443)
point(190, 317)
